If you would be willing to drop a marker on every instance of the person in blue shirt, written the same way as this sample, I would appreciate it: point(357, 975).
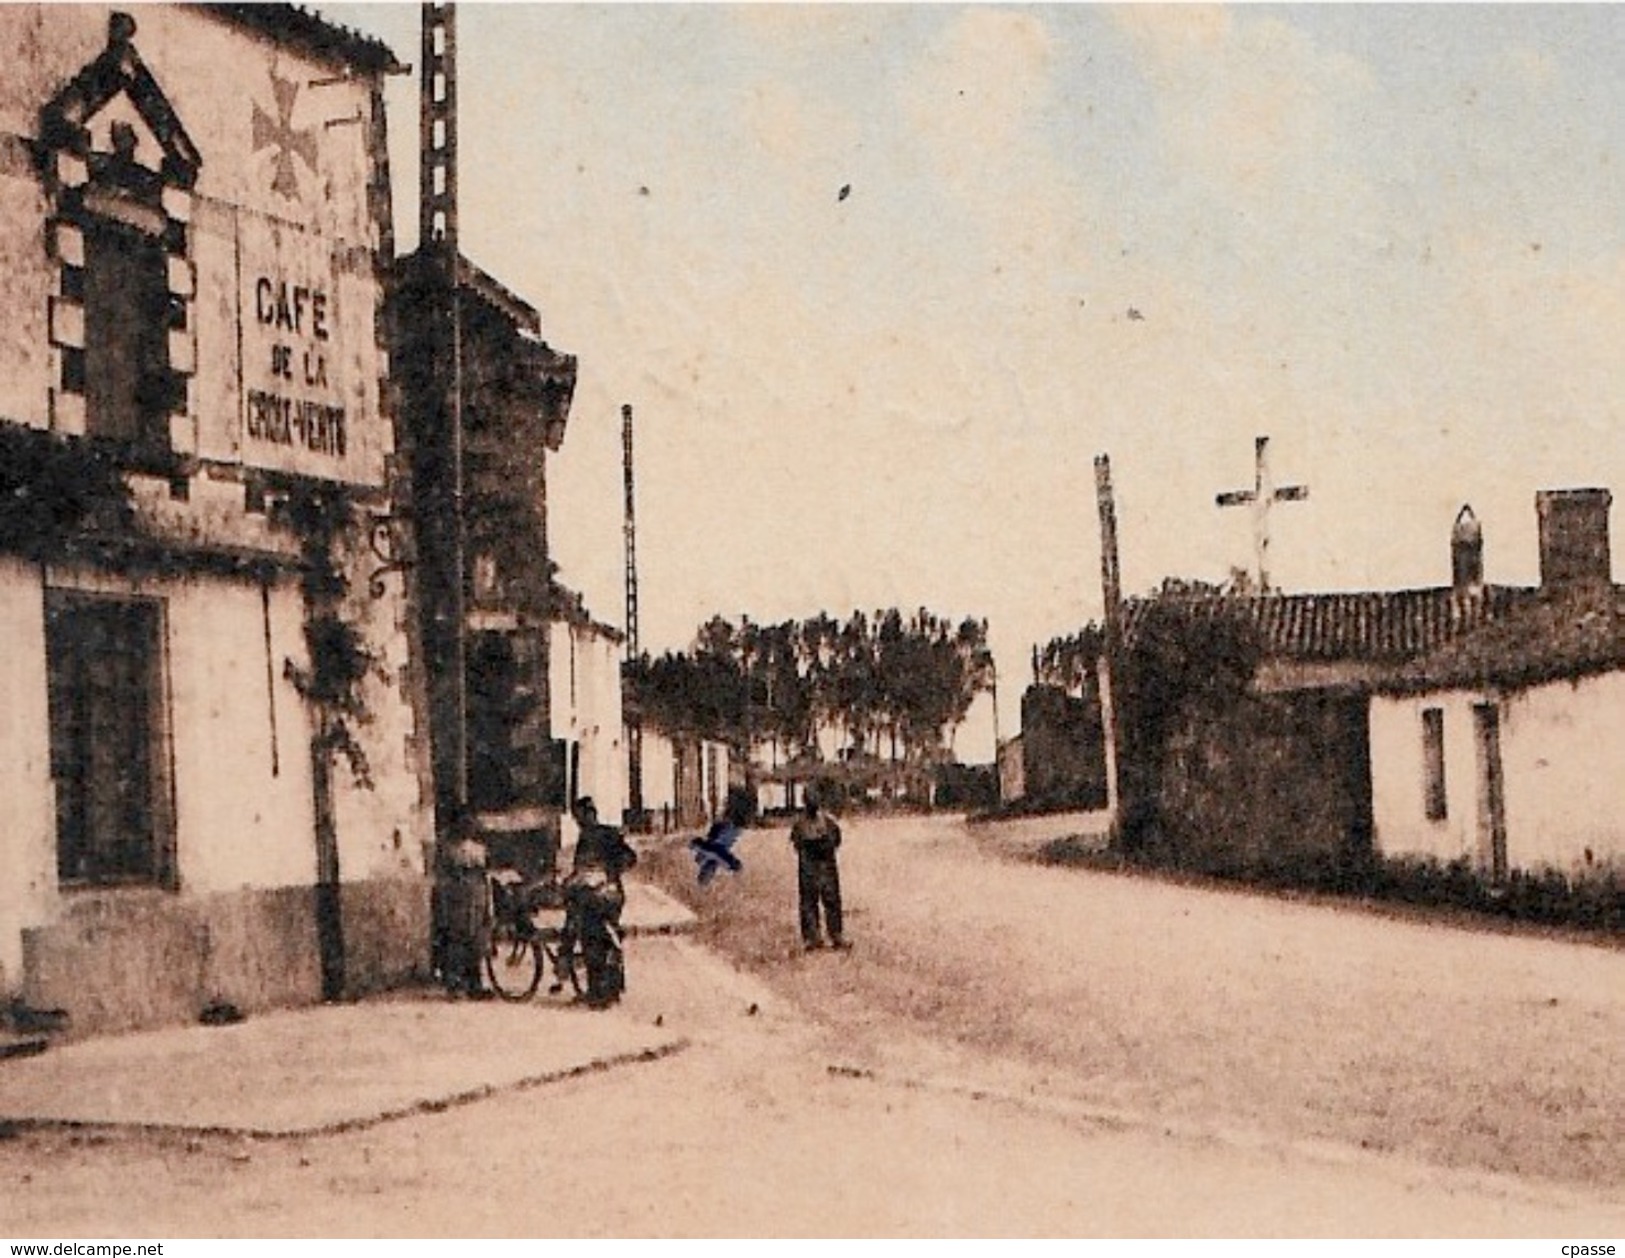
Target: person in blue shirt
point(715, 851)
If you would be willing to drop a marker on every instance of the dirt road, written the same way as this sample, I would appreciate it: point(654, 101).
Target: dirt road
point(1007, 1051)
point(750, 1132)
point(1216, 1010)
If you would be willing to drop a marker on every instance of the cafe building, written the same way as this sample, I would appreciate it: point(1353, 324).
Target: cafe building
point(214, 788)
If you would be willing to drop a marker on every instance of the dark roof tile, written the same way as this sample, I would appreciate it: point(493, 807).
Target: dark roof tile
point(1556, 635)
point(306, 30)
point(1387, 627)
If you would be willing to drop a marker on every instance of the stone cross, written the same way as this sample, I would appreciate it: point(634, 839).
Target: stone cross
point(1260, 498)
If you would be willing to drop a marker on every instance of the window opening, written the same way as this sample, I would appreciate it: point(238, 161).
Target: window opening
point(1435, 800)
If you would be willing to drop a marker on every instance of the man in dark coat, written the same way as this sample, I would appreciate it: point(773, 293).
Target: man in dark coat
point(816, 837)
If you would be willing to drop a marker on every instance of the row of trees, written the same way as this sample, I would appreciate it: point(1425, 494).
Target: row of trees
point(893, 686)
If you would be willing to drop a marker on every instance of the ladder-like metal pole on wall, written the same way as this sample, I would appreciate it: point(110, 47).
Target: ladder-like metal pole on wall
point(634, 725)
point(437, 231)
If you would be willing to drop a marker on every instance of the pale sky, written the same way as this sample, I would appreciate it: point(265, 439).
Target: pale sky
point(1392, 238)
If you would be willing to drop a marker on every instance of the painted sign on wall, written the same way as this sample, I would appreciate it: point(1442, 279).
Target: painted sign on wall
point(295, 392)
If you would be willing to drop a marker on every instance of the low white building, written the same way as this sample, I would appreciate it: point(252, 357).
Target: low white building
point(1504, 750)
point(685, 779)
point(1501, 746)
point(585, 687)
point(194, 406)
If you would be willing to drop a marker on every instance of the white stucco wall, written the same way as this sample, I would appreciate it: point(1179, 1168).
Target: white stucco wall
point(243, 812)
point(1561, 749)
point(1399, 776)
point(28, 835)
point(387, 830)
point(25, 288)
point(318, 234)
point(585, 682)
point(659, 772)
point(1564, 793)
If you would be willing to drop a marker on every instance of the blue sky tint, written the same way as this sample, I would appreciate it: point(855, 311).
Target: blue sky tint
point(1388, 236)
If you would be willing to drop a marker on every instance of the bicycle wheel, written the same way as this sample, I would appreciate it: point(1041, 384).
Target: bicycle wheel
point(575, 974)
point(513, 962)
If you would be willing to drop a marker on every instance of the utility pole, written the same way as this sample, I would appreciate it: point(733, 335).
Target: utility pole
point(994, 688)
point(632, 718)
point(1112, 594)
point(1260, 498)
point(437, 241)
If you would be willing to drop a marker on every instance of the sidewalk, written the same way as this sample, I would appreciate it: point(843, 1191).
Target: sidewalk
point(336, 1067)
point(650, 911)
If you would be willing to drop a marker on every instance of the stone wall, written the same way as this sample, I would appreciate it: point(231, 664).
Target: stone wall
point(1276, 783)
point(141, 958)
point(1063, 749)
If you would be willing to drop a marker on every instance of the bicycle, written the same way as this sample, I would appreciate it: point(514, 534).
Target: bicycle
point(527, 922)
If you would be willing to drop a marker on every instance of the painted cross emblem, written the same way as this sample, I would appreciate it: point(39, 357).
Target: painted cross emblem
point(279, 133)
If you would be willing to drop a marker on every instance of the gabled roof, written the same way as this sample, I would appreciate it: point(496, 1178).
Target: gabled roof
point(1368, 626)
point(305, 30)
point(120, 71)
point(548, 373)
point(1561, 634)
point(568, 607)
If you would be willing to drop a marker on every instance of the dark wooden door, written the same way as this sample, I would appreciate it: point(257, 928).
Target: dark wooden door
point(106, 753)
point(1492, 821)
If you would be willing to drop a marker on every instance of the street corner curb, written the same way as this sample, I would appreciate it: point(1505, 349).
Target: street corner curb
point(436, 1105)
point(592, 1066)
point(600, 1064)
point(651, 911)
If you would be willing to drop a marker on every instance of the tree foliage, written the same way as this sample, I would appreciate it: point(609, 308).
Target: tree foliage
point(1190, 655)
point(1071, 663)
point(893, 685)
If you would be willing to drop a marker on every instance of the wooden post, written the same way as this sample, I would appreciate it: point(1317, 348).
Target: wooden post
point(1111, 591)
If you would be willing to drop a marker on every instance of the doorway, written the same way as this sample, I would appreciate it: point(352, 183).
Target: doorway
point(1492, 822)
point(109, 756)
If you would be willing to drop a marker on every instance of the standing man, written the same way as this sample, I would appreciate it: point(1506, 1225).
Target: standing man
point(594, 898)
point(816, 836)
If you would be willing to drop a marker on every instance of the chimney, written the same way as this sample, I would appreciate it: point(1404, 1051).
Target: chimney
point(1574, 536)
point(1466, 551)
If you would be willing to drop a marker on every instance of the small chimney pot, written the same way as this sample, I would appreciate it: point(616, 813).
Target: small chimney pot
point(1466, 551)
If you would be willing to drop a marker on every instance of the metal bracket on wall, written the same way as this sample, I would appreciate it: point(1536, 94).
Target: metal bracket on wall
point(390, 547)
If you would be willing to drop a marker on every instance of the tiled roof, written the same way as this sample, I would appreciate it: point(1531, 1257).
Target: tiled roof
point(499, 296)
point(303, 28)
point(1561, 634)
point(569, 607)
point(1387, 626)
